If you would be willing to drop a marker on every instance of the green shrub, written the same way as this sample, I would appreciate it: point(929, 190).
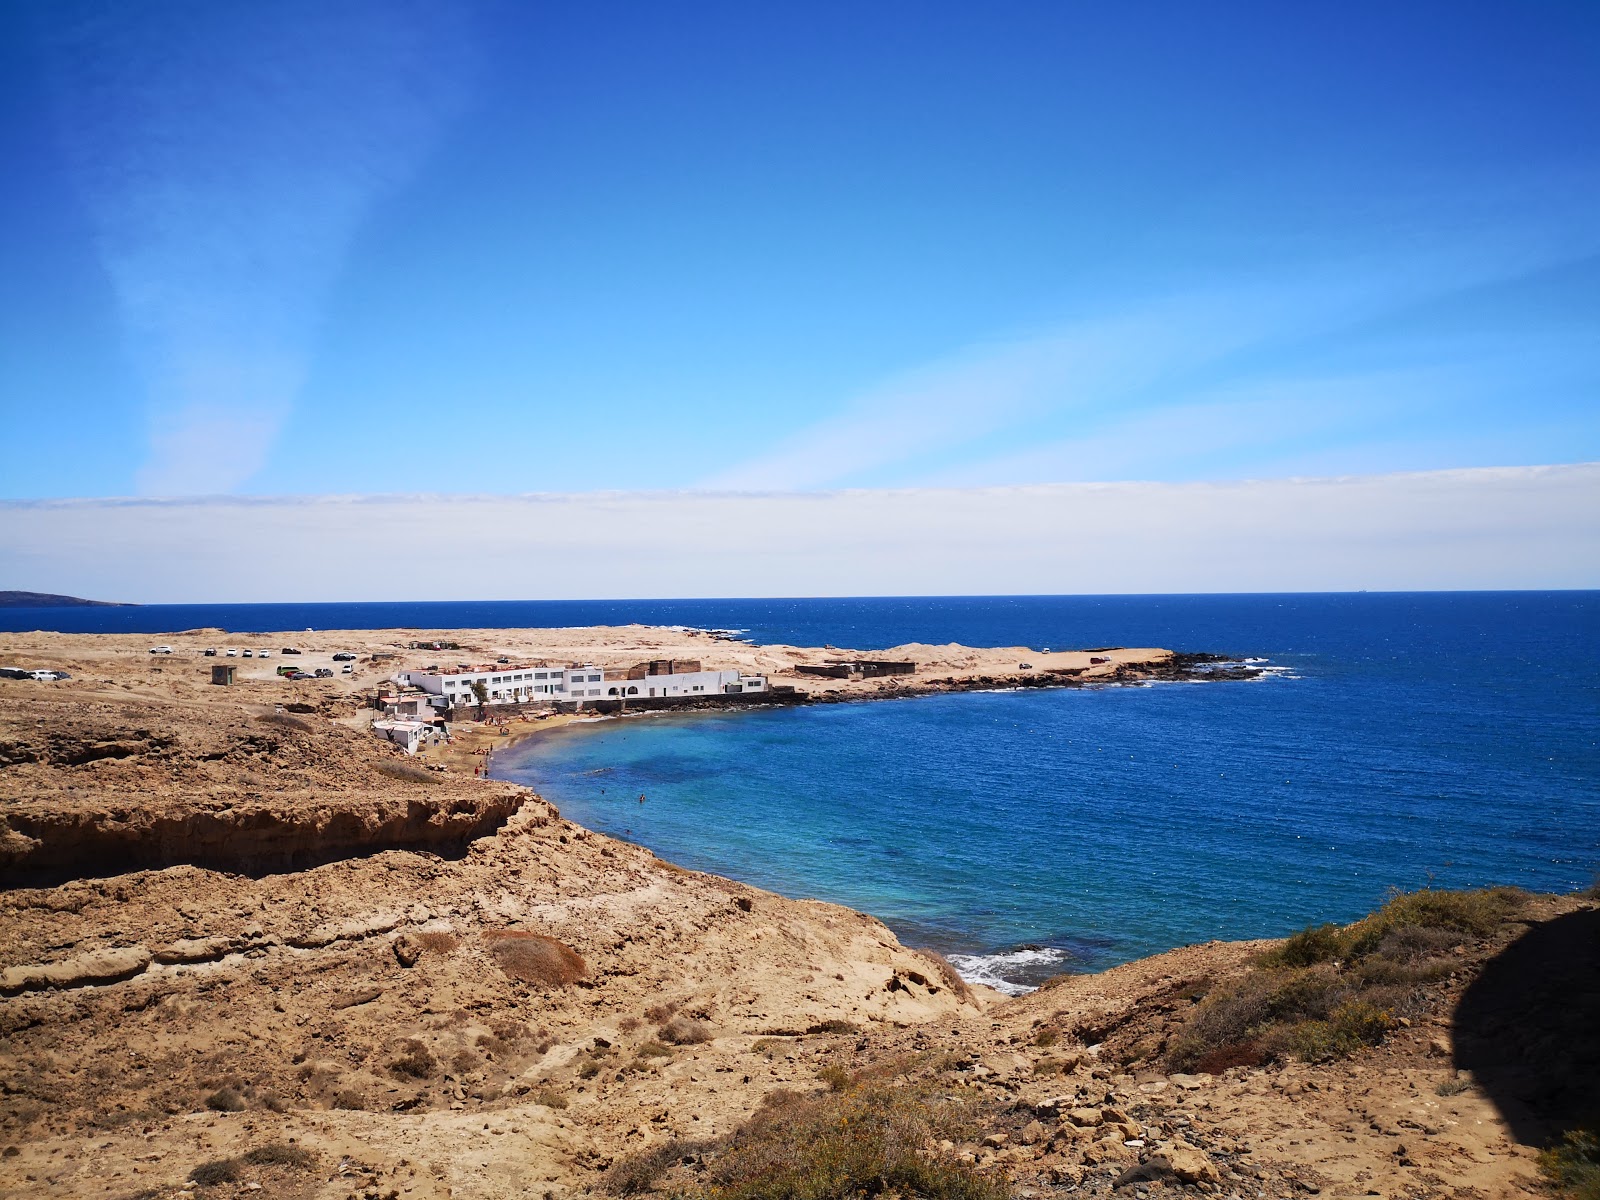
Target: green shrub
point(1573, 1166)
point(653, 1050)
point(1327, 991)
point(868, 1138)
point(1354, 1024)
point(1313, 944)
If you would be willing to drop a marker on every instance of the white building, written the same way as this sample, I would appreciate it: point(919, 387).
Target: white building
point(532, 685)
point(408, 735)
point(684, 685)
point(508, 684)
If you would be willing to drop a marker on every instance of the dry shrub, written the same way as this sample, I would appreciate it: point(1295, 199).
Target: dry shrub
point(279, 1154)
point(638, 1172)
point(285, 721)
point(549, 1097)
point(654, 1050)
point(439, 941)
point(415, 1061)
point(225, 1099)
point(685, 1031)
point(218, 1170)
point(1047, 1036)
point(833, 1025)
point(1329, 990)
point(873, 1136)
point(660, 1012)
point(535, 958)
point(408, 772)
point(629, 1024)
point(349, 1098)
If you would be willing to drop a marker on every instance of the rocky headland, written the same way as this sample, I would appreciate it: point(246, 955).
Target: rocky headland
point(247, 948)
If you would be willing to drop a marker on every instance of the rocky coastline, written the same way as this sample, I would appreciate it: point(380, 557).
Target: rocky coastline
point(248, 951)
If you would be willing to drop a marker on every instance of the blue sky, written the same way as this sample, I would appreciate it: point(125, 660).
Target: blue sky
point(504, 248)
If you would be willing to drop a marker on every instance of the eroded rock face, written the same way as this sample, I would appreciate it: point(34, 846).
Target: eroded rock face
point(98, 789)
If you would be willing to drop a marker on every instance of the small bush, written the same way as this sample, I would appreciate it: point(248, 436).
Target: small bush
point(549, 1097)
point(660, 1012)
point(654, 1050)
point(1354, 1024)
point(407, 772)
point(535, 958)
point(416, 1061)
point(1573, 1166)
point(685, 1031)
point(284, 721)
point(439, 941)
point(218, 1170)
point(225, 1099)
point(639, 1172)
point(871, 1137)
point(1239, 1054)
point(1312, 945)
point(350, 1099)
point(1047, 1036)
point(1327, 991)
point(767, 1046)
point(589, 1070)
point(279, 1154)
point(1454, 1086)
point(833, 1025)
point(629, 1024)
point(837, 1078)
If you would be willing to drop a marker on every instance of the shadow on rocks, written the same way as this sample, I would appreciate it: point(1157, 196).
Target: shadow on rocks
point(1528, 1028)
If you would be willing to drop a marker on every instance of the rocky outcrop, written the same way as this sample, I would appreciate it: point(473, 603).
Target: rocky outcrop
point(48, 846)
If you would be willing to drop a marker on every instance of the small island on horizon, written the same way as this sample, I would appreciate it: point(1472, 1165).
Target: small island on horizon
point(12, 599)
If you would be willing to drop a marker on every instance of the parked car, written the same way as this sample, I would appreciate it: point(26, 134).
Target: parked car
point(210, 652)
point(231, 654)
point(302, 675)
point(324, 672)
point(502, 659)
point(160, 649)
point(263, 653)
point(348, 668)
point(15, 673)
point(344, 656)
point(287, 672)
point(42, 676)
point(248, 653)
point(288, 650)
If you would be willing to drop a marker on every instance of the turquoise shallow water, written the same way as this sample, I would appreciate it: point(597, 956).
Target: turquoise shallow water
point(1403, 741)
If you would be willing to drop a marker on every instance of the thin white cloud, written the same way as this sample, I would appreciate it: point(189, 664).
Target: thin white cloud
point(931, 423)
point(1534, 527)
point(227, 155)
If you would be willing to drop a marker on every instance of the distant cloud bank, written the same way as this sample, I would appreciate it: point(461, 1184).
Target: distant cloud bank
point(1513, 527)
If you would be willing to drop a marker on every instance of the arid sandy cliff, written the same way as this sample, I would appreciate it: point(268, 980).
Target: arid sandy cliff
point(248, 950)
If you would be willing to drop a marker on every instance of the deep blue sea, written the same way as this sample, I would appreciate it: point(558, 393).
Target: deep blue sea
point(1401, 740)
